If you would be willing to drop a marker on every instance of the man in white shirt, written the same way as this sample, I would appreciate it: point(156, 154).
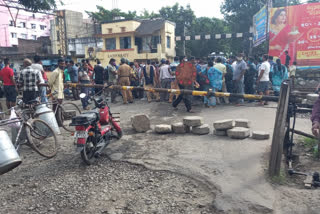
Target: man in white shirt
point(263, 78)
point(292, 70)
point(165, 78)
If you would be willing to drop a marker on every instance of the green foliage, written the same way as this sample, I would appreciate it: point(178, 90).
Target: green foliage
point(37, 5)
point(104, 15)
point(310, 142)
point(281, 179)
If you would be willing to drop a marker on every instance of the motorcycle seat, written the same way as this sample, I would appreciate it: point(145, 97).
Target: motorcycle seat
point(86, 118)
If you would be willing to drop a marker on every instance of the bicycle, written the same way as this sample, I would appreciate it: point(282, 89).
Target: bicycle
point(39, 135)
point(65, 112)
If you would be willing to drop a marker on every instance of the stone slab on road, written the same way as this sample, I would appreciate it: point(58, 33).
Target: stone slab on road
point(239, 133)
point(163, 129)
point(259, 135)
point(201, 130)
point(223, 125)
point(179, 128)
point(243, 123)
point(220, 133)
point(193, 121)
point(140, 123)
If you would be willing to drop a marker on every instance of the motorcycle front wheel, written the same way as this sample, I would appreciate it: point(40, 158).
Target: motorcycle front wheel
point(88, 152)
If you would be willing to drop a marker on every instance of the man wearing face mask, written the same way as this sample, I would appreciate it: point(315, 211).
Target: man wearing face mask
point(238, 78)
point(56, 85)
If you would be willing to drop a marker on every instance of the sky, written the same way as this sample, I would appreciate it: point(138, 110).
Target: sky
point(200, 7)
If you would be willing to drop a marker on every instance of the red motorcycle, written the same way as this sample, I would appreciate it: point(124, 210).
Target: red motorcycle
point(90, 137)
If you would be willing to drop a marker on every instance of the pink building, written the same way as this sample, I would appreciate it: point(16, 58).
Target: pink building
point(28, 26)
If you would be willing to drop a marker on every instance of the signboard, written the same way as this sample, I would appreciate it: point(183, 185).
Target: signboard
point(259, 27)
point(296, 30)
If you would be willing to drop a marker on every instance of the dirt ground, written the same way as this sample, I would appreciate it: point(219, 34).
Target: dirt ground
point(150, 173)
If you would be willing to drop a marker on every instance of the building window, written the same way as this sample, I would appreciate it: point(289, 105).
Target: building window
point(109, 30)
point(13, 35)
point(125, 42)
point(24, 36)
point(34, 37)
point(33, 26)
point(43, 27)
point(155, 40)
point(58, 36)
point(168, 42)
point(111, 44)
point(123, 29)
point(23, 24)
point(11, 23)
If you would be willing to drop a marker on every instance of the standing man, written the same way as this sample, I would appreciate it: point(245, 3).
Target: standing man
point(288, 59)
point(98, 72)
point(56, 85)
point(84, 78)
point(238, 78)
point(112, 77)
point(10, 86)
point(165, 79)
point(149, 73)
point(124, 80)
point(29, 80)
point(292, 71)
point(174, 84)
point(37, 65)
point(221, 67)
point(249, 77)
point(186, 75)
point(73, 72)
point(263, 78)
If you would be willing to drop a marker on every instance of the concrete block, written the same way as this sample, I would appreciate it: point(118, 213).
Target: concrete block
point(258, 135)
point(193, 121)
point(220, 133)
point(201, 130)
point(223, 125)
point(312, 97)
point(179, 128)
point(163, 129)
point(239, 133)
point(140, 123)
point(242, 123)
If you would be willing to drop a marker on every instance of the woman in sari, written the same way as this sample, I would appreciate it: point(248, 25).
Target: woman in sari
point(280, 73)
point(282, 35)
point(215, 83)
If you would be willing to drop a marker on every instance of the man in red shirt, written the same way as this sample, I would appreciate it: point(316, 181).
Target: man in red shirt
point(10, 87)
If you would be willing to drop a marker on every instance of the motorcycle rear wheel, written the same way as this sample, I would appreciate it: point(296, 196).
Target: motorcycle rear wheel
point(88, 152)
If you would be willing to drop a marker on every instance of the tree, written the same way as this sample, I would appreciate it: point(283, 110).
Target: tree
point(104, 15)
point(38, 5)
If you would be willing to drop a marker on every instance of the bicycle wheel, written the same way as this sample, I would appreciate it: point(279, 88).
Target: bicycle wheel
point(42, 138)
point(88, 152)
point(66, 112)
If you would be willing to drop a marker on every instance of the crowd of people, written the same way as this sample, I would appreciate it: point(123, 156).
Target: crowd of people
point(238, 74)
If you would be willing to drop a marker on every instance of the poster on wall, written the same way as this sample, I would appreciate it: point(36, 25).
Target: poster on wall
point(259, 27)
point(295, 30)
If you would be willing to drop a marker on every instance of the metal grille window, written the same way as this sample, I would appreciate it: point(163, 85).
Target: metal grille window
point(42, 27)
point(33, 26)
point(168, 42)
point(23, 24)
point(125, 42)
point(11, 23)
point(13, 35)
point(58, 36)
point(111, 44)
point(34, 37)
point(24, 36)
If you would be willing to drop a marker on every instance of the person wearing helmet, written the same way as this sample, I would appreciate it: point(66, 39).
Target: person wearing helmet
point(124, 80)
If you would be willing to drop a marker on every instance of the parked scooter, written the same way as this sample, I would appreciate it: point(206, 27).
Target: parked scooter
point(91, 139)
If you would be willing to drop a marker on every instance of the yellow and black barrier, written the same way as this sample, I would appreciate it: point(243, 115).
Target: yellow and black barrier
point(178, 91)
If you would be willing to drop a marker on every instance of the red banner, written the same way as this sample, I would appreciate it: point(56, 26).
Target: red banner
point(296, 29)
